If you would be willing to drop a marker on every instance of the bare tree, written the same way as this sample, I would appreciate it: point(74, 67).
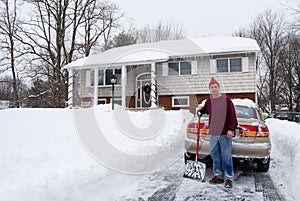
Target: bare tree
point(99, 21)
point(122, 39)
point(269, 30)
point(160, 32)
point(291, 71)
point(6, 88)
point(8, 30)
point(60, 31)
point(294, 9)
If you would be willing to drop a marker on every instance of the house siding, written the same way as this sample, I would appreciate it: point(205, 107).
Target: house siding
point(242, 82)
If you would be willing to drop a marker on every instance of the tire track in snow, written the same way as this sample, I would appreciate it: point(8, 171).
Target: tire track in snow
point(264, 183)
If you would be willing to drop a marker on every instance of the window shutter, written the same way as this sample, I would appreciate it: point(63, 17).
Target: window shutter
point(245, 64)
point(88, 78)
point(213, 66)
point(194, 68)
point(165, 69)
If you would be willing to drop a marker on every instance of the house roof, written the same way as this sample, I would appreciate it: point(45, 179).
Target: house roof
point(165, 50)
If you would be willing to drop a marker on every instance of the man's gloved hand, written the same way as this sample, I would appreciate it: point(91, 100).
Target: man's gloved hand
point(199, 114)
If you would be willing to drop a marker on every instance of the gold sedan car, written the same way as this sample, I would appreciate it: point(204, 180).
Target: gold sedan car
point(251, 140)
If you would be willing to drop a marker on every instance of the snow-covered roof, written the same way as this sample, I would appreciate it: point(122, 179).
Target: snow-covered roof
point(164, 50)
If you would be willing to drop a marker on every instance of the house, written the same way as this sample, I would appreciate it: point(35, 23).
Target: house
point(168, 74)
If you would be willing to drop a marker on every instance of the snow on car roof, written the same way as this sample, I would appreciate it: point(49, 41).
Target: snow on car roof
point(243, 102)
point(237, 101)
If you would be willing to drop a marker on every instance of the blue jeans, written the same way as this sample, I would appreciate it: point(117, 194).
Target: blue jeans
point(221, 153)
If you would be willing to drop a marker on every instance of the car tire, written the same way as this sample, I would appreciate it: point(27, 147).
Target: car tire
point(263, 164)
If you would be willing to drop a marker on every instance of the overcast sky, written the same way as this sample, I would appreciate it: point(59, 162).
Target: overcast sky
point(198, 17)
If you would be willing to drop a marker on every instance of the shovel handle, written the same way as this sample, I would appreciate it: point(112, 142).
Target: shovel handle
point(198, 135)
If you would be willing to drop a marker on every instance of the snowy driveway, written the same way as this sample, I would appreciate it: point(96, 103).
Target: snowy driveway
point(169, 184)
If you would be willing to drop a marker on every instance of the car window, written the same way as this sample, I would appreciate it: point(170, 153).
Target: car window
point(245, 112)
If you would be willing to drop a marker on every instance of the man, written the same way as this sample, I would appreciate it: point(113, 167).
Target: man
point(222, 123)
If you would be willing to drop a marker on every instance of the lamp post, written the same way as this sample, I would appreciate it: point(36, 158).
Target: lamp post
point(113, 81)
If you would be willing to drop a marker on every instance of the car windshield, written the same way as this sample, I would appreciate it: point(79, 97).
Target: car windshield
point(245, 112)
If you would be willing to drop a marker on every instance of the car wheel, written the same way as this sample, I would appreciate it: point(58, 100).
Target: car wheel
point(263, 164)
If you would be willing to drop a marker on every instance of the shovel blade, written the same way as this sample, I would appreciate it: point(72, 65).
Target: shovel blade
point(195, 170)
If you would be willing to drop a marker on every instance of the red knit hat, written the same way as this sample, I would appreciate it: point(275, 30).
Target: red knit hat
point(213, 81)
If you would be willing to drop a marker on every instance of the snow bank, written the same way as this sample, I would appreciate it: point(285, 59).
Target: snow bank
point(42, 157)
point(285, 153)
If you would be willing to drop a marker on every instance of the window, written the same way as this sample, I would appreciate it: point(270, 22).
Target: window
point(174, 68)
point(100, 77)
point(185, 68)
point(236, 65)
point(180, 101)
point(104, 76)
point(245, 112)
point(180, 68)
point(110, 72)
point(118, 73)
point(229, 65)
point(222, 65)
point(101, 101)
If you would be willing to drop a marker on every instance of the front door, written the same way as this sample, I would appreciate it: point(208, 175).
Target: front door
point(143, 90)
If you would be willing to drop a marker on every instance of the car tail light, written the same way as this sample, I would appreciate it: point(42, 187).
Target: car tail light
point(263, 131)
point(253, 131)
point(193, 128)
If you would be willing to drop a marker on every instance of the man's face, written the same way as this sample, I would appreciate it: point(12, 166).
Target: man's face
point(214, 89)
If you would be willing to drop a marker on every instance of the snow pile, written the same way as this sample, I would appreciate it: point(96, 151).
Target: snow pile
point(285, 153)
point(134, 140)
point(42, 157)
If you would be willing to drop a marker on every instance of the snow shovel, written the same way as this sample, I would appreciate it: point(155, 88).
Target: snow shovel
point(195, 169)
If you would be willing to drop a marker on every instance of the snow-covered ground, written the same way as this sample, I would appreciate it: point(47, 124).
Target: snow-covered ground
point(44, 155)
